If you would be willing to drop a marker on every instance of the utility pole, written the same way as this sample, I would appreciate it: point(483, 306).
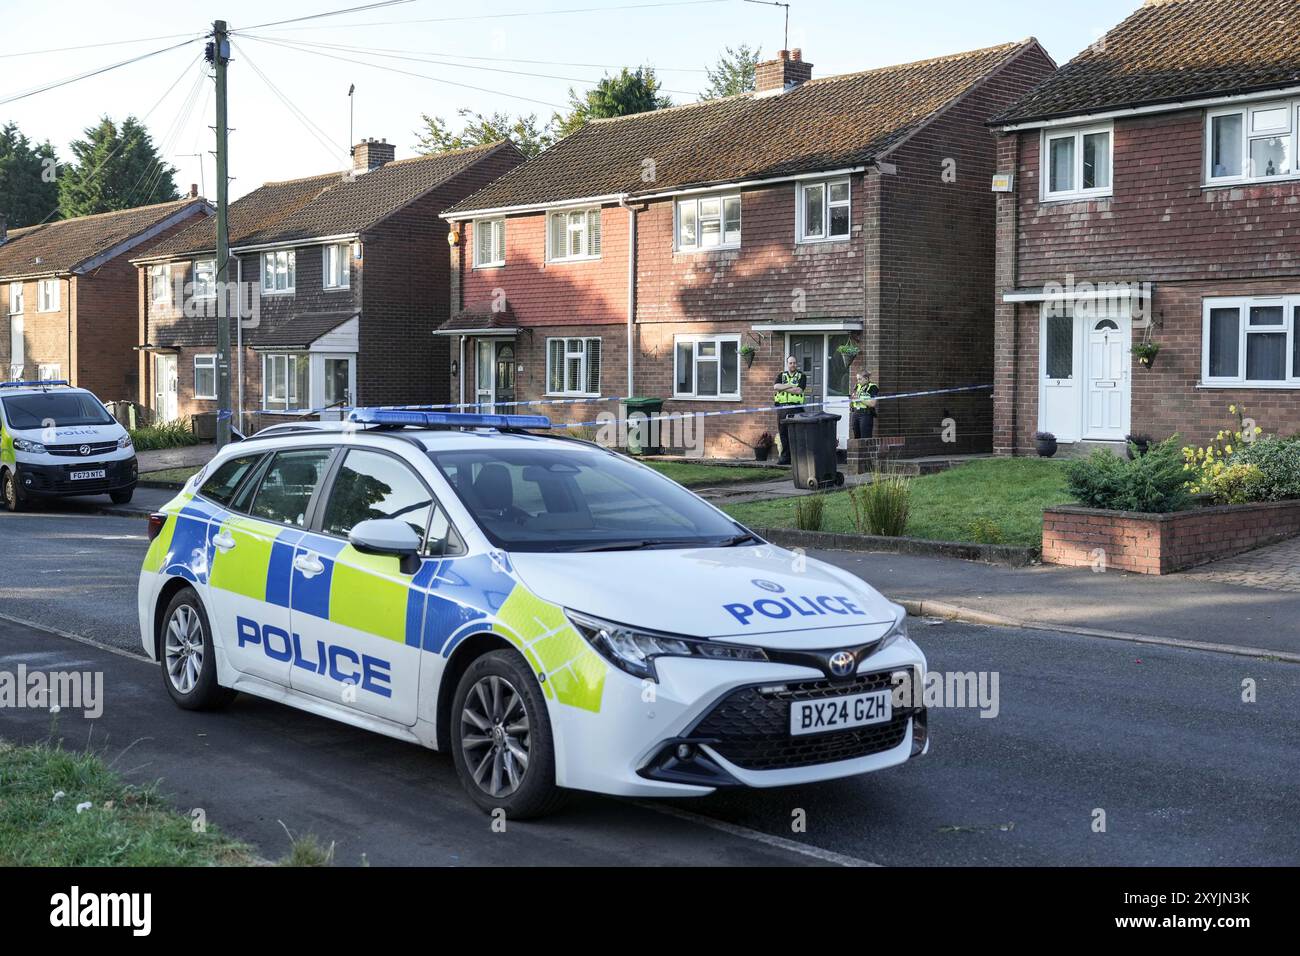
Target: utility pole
point(219, 56)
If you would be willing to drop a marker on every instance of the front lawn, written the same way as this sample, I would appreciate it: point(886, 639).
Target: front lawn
point(986, 500)
point(696, 476)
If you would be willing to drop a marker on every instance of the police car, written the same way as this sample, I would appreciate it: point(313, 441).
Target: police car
point(57, 441)
point(555, 614)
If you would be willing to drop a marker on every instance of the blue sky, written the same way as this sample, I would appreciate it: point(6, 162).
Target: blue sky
point(272, 142)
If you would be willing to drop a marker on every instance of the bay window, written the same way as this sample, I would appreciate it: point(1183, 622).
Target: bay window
point(336, 265)
point(708, 222)
point(1077, 163)
point(489, 243)
point(706, 366)
point(823, 210)
point(1251, 341)
point(1251, 143)
point(286, 382)
point(573, 366)
point(573, 234)
point(278, 270)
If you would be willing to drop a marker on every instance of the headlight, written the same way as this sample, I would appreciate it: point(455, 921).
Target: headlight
point(125, 442)
point(898, 630)
point(31, 447)
point(634, 650)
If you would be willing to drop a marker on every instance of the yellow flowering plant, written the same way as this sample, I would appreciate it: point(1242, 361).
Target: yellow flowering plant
point(1208, 466)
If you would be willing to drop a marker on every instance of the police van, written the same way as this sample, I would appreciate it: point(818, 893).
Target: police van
point(58, 441)
point(555, 614)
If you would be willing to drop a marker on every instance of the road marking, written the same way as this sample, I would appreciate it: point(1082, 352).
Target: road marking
point(34, 625)
point(757, 836)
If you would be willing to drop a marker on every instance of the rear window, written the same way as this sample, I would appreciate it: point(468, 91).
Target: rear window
point(286, 489)
point(56, 409)
point(225, 481)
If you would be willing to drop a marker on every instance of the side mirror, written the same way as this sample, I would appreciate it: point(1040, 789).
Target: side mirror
point(388, 536)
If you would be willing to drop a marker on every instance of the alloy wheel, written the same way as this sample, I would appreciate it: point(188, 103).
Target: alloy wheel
point(183, 649)
point(495, 736)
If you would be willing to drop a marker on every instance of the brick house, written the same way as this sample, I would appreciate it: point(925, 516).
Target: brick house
point(683, 253)
point(68, 294)
point(340, 280)
point(1155, 197)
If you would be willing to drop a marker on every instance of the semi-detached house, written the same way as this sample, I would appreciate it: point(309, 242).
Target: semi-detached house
point(340, 280)
point(683, 253)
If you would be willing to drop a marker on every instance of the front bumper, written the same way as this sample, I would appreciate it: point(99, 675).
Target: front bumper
point(55, 479)
point(734, 719)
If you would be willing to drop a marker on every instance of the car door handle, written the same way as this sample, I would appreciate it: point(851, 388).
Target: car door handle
point(309, 565)
point(224, 541)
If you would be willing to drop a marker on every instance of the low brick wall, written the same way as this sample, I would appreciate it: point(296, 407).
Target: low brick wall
point(1163, 543)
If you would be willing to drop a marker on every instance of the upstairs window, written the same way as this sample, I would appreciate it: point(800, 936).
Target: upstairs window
point(336, 266)
point(205, 279)
point(1077, 163)
point(160, 289)
point(1251, 143)
point(47, 295)
point(574, 234)
point(15, 298)
point(824, 210)
point(278, 270)
point(708, 222)
point(489, 243)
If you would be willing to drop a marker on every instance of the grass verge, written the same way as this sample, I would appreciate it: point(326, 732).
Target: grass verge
point(695, 476)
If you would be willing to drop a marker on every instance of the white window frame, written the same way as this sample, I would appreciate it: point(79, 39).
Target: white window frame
point(1077, 192)
point(336, 276)
point(1243, 304)
point(205, 361)
point(591, 246)
point(16, 304)
point(50, 372)
point(202, 289)
point(163, 272)
point(277, 264)
point(582, 356)
point(1247, 111)
point(498, 229)
point(800, 209)
point(48, 295)
point(694, 202)
point(292, 401)
point(695, 341)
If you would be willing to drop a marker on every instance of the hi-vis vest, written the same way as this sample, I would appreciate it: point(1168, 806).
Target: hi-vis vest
point(861, 395)
point(789, 398)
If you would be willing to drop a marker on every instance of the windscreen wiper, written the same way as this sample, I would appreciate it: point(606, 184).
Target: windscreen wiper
point(741, 539)
point(638, 545)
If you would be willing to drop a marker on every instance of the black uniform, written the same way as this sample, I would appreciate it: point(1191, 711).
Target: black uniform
point(791, 403)
point(862, 417)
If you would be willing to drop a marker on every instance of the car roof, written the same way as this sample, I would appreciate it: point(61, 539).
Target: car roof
point(10, 390)
point(427, 439)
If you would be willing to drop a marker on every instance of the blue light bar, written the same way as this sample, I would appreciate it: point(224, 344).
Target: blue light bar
point(44, 384)
point(424, 419)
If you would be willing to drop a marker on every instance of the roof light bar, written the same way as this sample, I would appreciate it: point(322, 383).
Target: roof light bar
point(42, 384)
point(424, 419)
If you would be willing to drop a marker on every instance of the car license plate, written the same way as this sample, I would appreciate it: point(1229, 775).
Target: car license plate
point(840, 713)
point(86, 475)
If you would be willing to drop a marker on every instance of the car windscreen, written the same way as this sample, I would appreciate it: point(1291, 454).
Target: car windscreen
point(60, 409)
point(564, 498)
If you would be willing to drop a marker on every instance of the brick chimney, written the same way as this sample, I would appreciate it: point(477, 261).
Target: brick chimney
point(787, 71)
point(371, 154)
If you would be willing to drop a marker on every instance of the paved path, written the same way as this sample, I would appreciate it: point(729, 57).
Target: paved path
point(187, 456)
point(1273, 568)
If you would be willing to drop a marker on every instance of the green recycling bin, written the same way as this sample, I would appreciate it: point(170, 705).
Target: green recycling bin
point(642, 434)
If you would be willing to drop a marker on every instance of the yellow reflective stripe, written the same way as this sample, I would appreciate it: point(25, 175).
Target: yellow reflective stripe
point(575, 673)
point(243, 569)
point(368, 593)
point(160, 547)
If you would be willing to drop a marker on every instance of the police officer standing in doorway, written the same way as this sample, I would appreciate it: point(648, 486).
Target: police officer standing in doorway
point(862, 407)
point(790, 387)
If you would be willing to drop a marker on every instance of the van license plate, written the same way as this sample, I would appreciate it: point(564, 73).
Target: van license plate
point(86, 475)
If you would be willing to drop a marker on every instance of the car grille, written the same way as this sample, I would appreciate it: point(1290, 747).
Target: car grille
point(751, 726)
point(74, 451)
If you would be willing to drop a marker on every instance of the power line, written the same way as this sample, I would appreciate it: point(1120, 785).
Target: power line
point(85, 76)
point(497, 59)
point(331, 13)
point(521, 13)
point(94, 46)
point(322, 137)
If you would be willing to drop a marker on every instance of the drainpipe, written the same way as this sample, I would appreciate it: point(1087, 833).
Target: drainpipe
point(239, 343)
point(461, 377)
point(631, 289)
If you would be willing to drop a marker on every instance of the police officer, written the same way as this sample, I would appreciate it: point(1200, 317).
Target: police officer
point(862, 407)
point(790, 387)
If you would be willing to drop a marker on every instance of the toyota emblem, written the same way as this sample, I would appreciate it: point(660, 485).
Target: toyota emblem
point(84, 450)
point(841, 663)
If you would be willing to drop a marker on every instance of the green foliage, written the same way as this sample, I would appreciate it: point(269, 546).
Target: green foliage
point(1278, 461)
point(626, 93)
point(733, 73)
point(175, 434)
point(1152, 483)
point(882, 506)
point(115, 168)
point(1237, 484)
point(984, 530)
point(808, 512)
point(479, 129)
point(29, 188)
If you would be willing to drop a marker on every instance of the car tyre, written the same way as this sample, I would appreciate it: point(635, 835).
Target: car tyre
point(122, 497)
point(499, 716)
point(13, 494)
point(189, 666)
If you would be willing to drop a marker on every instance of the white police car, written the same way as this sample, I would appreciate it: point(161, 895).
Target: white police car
point(555, 614)
point(57, 441)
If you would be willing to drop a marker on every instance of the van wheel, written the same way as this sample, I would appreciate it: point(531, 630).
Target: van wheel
point(13, 495)
point(122, 497)
point(188, 664)
point(501, 738)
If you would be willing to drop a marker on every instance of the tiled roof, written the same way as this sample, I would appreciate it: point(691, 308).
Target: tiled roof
point(298, 332)
point(1175, 50)
point(60, 246)
point(822, 124)
point(483, 319)
point(331, 204)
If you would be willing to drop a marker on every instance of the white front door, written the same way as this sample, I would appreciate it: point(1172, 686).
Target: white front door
point(165, 388)
point(1106, 398)
point(485, 375)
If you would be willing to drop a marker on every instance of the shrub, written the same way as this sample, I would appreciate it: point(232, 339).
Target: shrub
point(882, 507)
point(984, 531)
point(1278, 461)
point(166, 435)
point(808, 512)
point(1153, 483)
point(1236, 484)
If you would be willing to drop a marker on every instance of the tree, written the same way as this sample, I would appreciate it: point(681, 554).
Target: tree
point(629, 92)
point(115, 168)
point(29, 189)
point(479, 129)
point(733, 73)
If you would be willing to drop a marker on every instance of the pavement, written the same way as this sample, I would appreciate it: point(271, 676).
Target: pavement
point(187, 456)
